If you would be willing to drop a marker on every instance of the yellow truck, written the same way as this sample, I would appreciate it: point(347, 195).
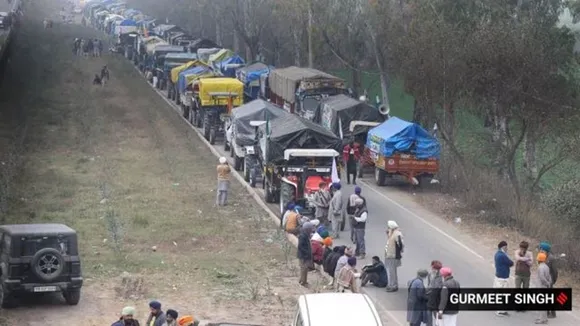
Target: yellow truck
point(216, 99)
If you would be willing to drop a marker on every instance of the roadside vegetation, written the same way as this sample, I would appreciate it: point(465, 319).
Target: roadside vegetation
point(138, 186)
point(500, 80)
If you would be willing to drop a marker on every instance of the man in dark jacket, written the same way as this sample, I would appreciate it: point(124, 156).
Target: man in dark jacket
point(350, 158)
point(448, 316)
point(375, 273)
point(127, 318)
point(434, 285)
point(305, 252)
point(332, 260)
point(157, 316)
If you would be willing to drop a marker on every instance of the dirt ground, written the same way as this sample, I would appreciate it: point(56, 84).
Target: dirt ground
point(128, 175)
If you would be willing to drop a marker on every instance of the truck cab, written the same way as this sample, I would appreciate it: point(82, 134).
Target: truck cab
point(313, 310)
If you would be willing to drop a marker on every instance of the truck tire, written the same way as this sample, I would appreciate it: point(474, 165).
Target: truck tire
point(72, 297)
point(268, 196)
point(47, 264)
point(206, 128)
point(212, 135)
point(246, 171)
point(286, 194)
point(380, 177)
point(238, 161)
point(169, 92)
point(198, 119)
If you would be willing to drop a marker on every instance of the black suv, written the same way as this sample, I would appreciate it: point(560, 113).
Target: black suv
point(39, 258)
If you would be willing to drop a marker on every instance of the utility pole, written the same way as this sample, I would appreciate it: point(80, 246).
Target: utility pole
point(310, 51)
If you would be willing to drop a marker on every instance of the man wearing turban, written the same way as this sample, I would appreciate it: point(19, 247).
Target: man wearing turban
point(127, 315)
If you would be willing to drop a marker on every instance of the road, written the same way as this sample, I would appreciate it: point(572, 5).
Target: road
point(427, 237)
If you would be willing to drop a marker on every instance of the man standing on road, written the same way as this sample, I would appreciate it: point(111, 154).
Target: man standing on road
point(321, 203)
point(545, 282)
point(351, 208)
point(393, 254)
point(350, 157)
point(434, 285)
point(524, 261)
point(305, 253)
point(223, 175)
point(157, 316)
point(336, 210)
point(447, 317)
point(502, 271)
point(417, 300)
point(551, 261)
point(360, 222)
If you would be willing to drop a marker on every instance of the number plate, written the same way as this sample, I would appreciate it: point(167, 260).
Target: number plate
point(45, 289)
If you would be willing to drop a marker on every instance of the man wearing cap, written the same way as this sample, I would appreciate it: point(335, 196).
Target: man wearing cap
point(351, 208)
point(545, 281)
point(503, 263)
point(157, 316)
point(223, 175)
point(304, 253)
point(446, 316)
point(127, 315)
point(393, 254)
point(336, 210)
point(417, 300)
point(170, 318)
point(551, 261)
point(187, 321)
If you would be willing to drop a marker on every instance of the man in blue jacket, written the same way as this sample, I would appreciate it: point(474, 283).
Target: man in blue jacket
point(502, 270)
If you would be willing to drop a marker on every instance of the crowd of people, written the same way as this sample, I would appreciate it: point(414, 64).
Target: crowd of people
point(88, 47)
point(157, 317)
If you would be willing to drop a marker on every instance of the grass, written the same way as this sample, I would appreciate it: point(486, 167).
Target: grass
point(128, 175)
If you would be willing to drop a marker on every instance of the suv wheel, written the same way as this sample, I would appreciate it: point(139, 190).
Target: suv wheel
point(72, 297)
point(47, 264)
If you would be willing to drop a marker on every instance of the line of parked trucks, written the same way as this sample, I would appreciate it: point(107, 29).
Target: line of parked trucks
point(284, 127)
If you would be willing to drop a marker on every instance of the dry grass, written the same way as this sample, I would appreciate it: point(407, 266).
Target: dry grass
point(115, 165)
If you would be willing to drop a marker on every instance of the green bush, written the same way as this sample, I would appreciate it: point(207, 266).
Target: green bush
point(563, 202)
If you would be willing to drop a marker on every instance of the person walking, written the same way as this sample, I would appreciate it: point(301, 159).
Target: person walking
point(127, 315)
point(305, 253)
point(351, 208)
point(433, 292)
point(393, 254)
point(336, 210)
point(417, 300)
point(551, 261)
point(545, 282)
point(446, 316)
point(375, 273)
point(105, 75)
point(223, 176)
point(524, 260)
point(95, 48)
point(346, 279)
point(157, 316)
point(350, 157)
point(360, 218)
point(502, 271)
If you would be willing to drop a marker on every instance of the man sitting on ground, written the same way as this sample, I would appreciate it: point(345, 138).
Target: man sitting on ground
point(375, 273)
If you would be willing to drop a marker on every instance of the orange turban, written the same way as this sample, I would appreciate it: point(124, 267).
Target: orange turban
point(327, 242)
point(541, 257)
point(185, 321)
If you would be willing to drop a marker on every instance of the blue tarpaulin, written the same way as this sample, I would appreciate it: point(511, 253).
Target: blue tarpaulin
point(396, 135)
point(250, 76)
point(182, 79)
point(128, 22)
point(230, 71)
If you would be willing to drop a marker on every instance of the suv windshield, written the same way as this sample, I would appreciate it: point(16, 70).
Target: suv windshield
point(30, 245)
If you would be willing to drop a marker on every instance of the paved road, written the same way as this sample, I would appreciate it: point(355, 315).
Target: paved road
point(427, 237)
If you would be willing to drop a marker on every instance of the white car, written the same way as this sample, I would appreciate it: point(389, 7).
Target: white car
point(313, 310)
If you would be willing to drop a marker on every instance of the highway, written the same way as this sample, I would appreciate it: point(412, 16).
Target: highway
point(427, 237)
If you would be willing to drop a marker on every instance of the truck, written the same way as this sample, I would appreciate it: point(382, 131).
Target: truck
point(173, 60)
point(175, 72)
point(216, 99)
point(402, 148)
point(158, 57)
point(301, 89)
point(188, 91)
point(250, 76)
point(241, 135)
point(292, 156)
point(350, 119)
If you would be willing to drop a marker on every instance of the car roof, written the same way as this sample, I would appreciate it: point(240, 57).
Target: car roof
point(314, 309)
point(37, 229)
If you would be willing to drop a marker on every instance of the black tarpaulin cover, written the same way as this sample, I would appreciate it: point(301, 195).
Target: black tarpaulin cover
point(296, 132)
point(257, 110)
point(346, 109)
